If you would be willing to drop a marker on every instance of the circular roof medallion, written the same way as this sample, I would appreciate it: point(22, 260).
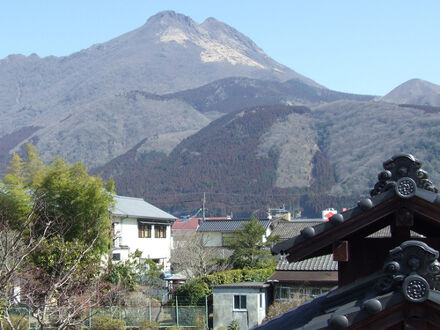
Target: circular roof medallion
point(415, 288)
point(405, 187)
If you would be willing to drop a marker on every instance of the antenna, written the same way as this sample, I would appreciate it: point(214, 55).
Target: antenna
point(203, 205)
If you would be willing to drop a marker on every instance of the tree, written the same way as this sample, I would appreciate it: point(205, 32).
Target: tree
point(251, 249)
point(54, 231)
point(135, 270)
point(194, 259)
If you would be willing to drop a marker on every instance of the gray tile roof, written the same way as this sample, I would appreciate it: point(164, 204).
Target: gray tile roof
point(287, 229)
point(321, 263)
point(138, 208)
point(227, 225)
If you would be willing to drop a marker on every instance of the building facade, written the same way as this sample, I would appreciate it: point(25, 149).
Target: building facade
point(138, 225)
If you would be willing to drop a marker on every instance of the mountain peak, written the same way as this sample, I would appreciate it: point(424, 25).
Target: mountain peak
point(169, 17)
point(415, 91)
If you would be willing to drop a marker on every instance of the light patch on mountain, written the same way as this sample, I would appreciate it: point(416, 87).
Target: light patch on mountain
point(296, 143)
point(228, 50)
point(164, 143)
point(174, 34)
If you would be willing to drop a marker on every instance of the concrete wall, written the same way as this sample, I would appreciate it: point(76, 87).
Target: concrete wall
point(224, 312)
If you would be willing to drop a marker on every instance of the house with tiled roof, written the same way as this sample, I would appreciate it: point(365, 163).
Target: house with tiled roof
point(303, 280)
point(215, 233)
point(388, 282)
point(138, 225)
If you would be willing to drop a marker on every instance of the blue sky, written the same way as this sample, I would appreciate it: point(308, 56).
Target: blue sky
point(366, 47)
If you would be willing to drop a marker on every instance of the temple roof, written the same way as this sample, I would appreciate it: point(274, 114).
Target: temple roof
point(401, 187)
point(409, 276)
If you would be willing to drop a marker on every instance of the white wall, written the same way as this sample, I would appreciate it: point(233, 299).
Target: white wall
point(153, 248)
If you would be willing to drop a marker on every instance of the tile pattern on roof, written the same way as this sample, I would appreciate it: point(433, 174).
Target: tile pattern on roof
point(321, 263)
point(138, 208)
point(227, 225)
point(287, 229)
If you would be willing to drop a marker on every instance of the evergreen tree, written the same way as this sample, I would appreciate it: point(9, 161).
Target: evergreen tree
point(251, 249)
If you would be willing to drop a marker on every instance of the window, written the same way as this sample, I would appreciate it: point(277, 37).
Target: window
point(239, 302)
point(261, 300)
point(116, 256)
point(144, 230)
point(160, 231)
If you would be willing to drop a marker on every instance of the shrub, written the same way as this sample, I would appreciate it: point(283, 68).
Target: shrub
point(281, 307)
point(234, 325)
point(19, 322)
point(108, 323)
point(149, 325)
point(192, 292)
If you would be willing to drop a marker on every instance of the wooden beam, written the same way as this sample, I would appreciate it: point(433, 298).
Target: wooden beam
point(341, 251)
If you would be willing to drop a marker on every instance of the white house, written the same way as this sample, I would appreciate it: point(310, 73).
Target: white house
point(215, 233)
point(140, 225)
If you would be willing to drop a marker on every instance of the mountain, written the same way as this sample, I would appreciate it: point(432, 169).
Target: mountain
point(175, 108)
point(64, 96)
point(305, 158)
point(415, 91)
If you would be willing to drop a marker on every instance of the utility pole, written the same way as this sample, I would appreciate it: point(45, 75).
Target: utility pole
point(203, 206)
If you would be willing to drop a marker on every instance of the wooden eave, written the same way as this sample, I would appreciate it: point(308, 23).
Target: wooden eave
point(305, 277)
point(360, 224)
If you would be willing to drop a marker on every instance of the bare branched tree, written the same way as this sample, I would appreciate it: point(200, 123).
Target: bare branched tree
point(49, 276)
point(191, 257)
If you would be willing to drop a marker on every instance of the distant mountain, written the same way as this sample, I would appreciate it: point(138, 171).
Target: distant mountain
point(170, 53)
point(267, 156)
point(175, 108)
point(415, 91)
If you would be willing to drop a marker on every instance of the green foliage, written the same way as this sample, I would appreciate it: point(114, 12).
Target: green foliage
point(19, 322)
point(134, 271)
point(80, 200)
point(74, 200)
point(249, 248)
point(239, 275)
point(234, 325)
point(108, 323)
point(192, 292)
point(149, 325)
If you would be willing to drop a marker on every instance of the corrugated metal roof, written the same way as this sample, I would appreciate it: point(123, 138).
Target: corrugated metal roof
point(227, 225)
point(321, 263)
point(138, 208)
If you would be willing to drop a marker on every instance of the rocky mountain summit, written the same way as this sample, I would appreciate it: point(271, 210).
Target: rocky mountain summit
point(75, 101)
point(175, 108)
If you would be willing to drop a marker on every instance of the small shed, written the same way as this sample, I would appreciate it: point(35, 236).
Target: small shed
point(245, 302)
